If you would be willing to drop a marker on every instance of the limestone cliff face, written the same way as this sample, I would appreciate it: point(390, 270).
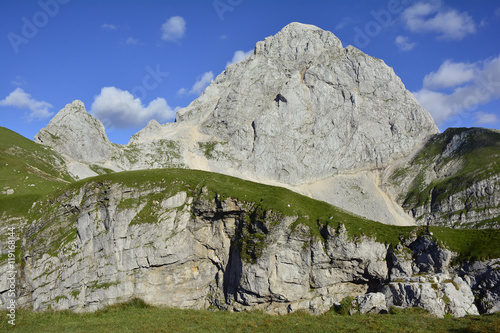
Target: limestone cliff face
point(105, 242)
point(302, 108)
point(75, 133)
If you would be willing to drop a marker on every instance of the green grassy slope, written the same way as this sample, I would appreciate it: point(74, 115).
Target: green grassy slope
point(30, 169)
point(136, 316)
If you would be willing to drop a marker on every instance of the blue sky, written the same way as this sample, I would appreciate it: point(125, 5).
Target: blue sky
point(131, 61)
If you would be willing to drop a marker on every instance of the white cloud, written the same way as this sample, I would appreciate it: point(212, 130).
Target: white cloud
point(432, 17)
point(201, 83)
point(182, 91)
point(199, 86)
point(120, 109)
point(108, 26)
point(403, 43)
point(22, 100)
point(450, 74)
point(482, 88)
point(439, 105)
point(485, 118)
point(173, 29)
point(239, 56)
point(131, 41)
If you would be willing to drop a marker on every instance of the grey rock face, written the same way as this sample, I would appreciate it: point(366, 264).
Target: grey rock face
point(429, 257)
point(302, 108)
point(438, 294)
point(452, 181)
point(484, 279)
point(82, 139)
point(371, 303)
point(75, 133)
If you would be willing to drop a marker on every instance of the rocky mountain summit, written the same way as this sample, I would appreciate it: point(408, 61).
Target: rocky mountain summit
point(300, 110)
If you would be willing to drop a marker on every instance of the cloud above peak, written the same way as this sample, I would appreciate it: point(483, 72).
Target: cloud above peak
point(483, 118)
point(450, 74)
point(173, 29)
point(433, 17)
point(119, 108)
point(239, 56)
point(404, 44)
point(202, 82)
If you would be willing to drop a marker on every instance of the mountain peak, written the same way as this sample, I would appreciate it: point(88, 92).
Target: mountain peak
point(299, 43)
point(74, 132)
point(299, 27)
point(75, 107)
point(303, 108)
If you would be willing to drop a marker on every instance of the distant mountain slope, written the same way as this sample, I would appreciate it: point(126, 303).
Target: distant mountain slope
point(27, 172)
point(454, 180)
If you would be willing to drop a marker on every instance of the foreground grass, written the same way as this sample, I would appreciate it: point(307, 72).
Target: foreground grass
point(136, 316)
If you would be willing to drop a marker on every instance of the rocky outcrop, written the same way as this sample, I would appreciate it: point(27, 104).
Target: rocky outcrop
point(437, 293)
point(75, 133)
point(453, 181)
point(484, 278)
point(174, 245)
point(370, 303)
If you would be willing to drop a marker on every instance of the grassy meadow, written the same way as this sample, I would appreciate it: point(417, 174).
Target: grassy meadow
point(136, 316)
